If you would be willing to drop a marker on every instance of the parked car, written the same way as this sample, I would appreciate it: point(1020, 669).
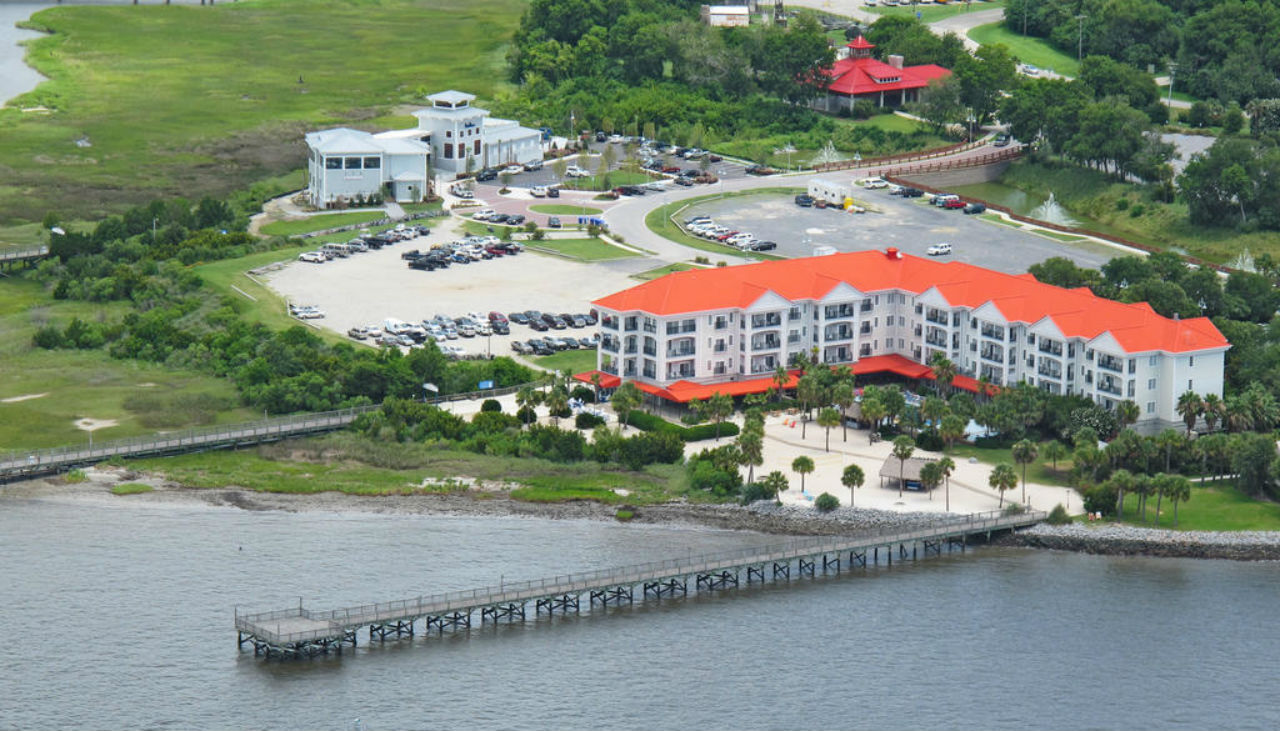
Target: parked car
point(539, 326)
point(533, 164)
point(953, 203)
point(804, 200)
point(519, 348)
point(313, 257)
point(1002, 139)
point(538, 191)
point(358, 333)
point(587, 343)
point(513, 170)
point(483, 214)
point(553, 222)
point(911, 193)
point(573, 171)
point(684, 182)
point(763, 246)
point(515, 219)
point(518, 318)
point(873, 183)
point(973, 208)
point(553, 192)
point(486, 175)
point(941, 249)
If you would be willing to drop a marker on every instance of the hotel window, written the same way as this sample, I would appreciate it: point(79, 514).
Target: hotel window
point(477, 147)
point(1151, 384)
point(1191, 361)
point(1151, 361)
point(372, 163)
point(448, 150)
point(1189, 386)
point(333, 163)
point(1151, 407)
point(352, 163)
point(448, 133)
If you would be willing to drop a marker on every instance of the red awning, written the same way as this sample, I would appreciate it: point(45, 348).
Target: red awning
point(607, 380)
point(893, 364)
point(682, 392)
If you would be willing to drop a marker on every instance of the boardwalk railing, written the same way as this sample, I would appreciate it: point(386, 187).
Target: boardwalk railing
point(19, 255)
point(311, 625)
point(26, 463)
point(905, 157)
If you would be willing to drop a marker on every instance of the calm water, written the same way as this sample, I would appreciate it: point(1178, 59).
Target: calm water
point(15, 76)
point(119, 615)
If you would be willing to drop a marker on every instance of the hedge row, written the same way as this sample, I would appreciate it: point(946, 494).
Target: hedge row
point(648, 422)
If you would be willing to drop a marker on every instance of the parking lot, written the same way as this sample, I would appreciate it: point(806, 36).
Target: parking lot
point(367, 288)
point(725, 169)
point(912, 225)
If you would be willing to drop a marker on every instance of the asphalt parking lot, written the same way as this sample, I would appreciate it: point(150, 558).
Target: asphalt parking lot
point(909, 224)
point(725, 169)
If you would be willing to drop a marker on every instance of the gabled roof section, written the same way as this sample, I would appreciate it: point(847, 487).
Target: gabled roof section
point(865, 75)
point(341, 140)
point(1078, 313)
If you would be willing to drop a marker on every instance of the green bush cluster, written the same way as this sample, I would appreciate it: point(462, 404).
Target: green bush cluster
point(1058, 516)
point(826, 502)
point(648, 422)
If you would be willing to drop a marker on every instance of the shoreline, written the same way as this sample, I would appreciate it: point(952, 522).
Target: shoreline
point(761, 517)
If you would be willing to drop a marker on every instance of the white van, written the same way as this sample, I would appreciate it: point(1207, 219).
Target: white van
point(335, 250)
point(394, 326)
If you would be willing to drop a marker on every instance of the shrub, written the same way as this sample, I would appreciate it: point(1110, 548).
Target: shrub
point(491, 404)
point(1137, 210)
point(826, 502)
point(1122, 204)
point(1058, 516)
point(587, 421)
point(1014, 509)
point(623, 515)
point(929, 440)
point(75, 476)
point(585, 394)
point(756, 491)
point(645, 421)
point(1100, 499)
point(47, 337)
point(130, 488)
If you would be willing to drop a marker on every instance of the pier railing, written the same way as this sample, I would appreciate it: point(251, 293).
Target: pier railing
point(328, 623)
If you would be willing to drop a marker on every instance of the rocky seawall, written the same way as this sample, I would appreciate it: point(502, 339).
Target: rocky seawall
point(1123, 540)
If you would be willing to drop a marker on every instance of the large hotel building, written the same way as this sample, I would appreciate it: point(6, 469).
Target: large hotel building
point(689, 334)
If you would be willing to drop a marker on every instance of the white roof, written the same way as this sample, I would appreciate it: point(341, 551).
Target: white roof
point(452, 97)
point(342, 140)
point(728, 10)
point(407, 178)
point(399, 145)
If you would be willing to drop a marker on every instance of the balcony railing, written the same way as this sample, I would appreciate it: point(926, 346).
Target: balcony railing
point(1050, 372)
point(766, 344)
point(995, 333)
point(679, 328)
point(1111, 387)
point(937, 317)
point(721, 323)
point(1051, 348)
point(1110, 363)
point(836, 311)
point(771, 320)
point(651, 327)
point(650, 350)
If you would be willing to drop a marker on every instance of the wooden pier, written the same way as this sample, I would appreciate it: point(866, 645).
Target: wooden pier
point(299, 632)
point(11, 259)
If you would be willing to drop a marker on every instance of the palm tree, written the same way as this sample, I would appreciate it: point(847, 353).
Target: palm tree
point(1213, 411)
point(775, 482)
point(842, 396)
point(903, 448)
point(1142, 488)
point(933, 409)
point(944, 371)
point(1121, 481)
point(1053, 451)
point(718, 408)
point(951, 429)
point(751, 447)
point(809, 393)
point(1179, 492)
point(802, 466)
point(1024, 453)
point(527, 397)
point(1164, 484)
point(1003, 478)
point(1127, 412)
point(1189, 408)
point(947, 466)
point(780, 379)
point(852, 478)
point(873, 411)
point(625, 400)
point(827, 419)
point(595, 385)
point(1088, 458)
point(557, 401)
point(930, 476)
point(1169, 440)
point(1238, 414)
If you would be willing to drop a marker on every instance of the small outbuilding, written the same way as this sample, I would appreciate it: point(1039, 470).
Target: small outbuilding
point(726, 16)
point(910, 471)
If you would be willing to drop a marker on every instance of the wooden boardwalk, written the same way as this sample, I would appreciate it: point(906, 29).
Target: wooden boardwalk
point(11, 258)
point(299, 632)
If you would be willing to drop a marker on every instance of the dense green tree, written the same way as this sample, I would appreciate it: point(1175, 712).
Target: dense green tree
point(984, 77)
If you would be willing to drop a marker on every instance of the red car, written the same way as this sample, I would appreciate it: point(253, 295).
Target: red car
point(495, 251)
point(497, 317)
point(671, 169)
point(954, 203)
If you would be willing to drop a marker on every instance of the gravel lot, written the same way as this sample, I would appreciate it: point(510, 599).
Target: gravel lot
point(910, 225)
point(367, 288)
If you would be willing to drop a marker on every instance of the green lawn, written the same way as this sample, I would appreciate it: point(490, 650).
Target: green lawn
point(583, 249)
point(319, 223)
point(659, 221)
point(564, 209)
point(192, 100)
point(347, 463)
point(616, 178)
point(1027, 49)
point(79, 384)
point(932, 12)
point(1041, 470)
point(1213, 507)
point(663, 271)
point(266, 306)
point(573, 361)
point(766, 149)
point(997, 218)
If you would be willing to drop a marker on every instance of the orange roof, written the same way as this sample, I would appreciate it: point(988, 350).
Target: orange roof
point(683, 392)
point(892, 363)
point(607, 380)
point(1019, 298)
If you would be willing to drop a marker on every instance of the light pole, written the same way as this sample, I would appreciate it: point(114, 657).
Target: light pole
point(1080, 38)
point(1173, 73)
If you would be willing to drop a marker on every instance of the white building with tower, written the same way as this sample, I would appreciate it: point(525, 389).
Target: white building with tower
point(452, 137)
